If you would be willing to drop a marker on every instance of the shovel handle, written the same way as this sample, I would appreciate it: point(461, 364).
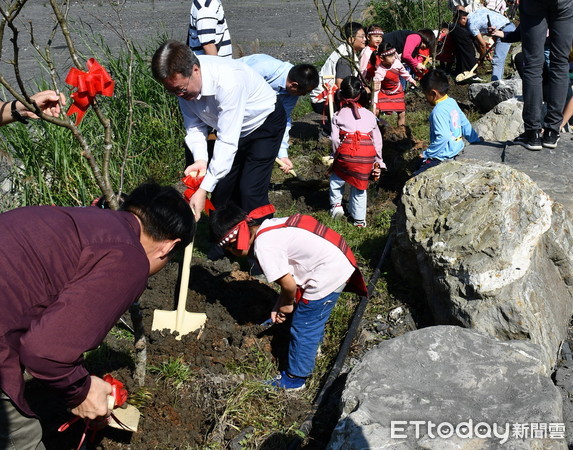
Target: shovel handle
point(184, 286)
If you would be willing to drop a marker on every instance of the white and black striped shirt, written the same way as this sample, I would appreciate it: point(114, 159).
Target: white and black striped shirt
point(208, 26)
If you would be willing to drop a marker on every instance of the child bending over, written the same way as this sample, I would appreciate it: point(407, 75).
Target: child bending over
point(388, 89)
point(311, 263)
point(447, 122)
point(357, 148)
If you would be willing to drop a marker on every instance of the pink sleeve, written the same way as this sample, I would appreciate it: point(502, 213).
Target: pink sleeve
point(413, 41)
point(364, 59)
point(377, 139)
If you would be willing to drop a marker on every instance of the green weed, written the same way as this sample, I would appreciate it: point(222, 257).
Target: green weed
point(175, 372)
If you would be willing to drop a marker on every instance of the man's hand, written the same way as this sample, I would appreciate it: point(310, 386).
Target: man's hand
point(96, 403)
point(197, 202)
point(288, 165)
point(197, 168)
point(48, 101)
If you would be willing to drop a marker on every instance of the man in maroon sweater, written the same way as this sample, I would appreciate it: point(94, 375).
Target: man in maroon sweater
point(66, 277)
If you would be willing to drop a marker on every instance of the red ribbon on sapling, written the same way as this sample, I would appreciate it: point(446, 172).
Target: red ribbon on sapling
point(193, 183)
point(119, 394)
point(89, 84)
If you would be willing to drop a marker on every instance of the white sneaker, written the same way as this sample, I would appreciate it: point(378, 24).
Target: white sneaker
point(337, 212)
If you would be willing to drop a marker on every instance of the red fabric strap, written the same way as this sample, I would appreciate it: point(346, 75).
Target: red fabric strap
point(356, 282)
point(241, 230)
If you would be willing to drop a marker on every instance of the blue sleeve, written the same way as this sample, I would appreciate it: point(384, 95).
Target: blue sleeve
point(467, 130)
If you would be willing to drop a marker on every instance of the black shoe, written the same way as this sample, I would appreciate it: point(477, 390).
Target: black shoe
point(530, 139)
point(550, 139)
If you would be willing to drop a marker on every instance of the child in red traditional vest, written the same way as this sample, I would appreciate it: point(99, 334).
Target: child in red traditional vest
point(357, 148)
point(390, 96)
point(311, 263)
point(374, 36)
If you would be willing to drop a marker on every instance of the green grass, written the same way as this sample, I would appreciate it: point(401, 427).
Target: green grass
point(175, 372)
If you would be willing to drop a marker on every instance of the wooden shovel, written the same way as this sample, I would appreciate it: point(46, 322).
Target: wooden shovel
point(469, 74)
point(330, 96)
point(180, 320)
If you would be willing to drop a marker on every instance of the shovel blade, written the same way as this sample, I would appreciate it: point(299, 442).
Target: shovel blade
point(128, 416)
point(183, 323)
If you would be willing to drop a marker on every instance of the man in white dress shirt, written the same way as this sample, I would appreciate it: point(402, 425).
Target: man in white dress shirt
point(238, 103)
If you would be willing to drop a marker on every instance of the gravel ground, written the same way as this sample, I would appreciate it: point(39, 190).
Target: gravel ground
point(286, 29)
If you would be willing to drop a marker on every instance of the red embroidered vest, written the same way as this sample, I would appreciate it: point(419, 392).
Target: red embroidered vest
point(355, 159)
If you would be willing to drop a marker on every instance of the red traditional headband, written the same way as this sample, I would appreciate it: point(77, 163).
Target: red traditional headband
point(241, 230)
point(375, 33)
point(388, 52)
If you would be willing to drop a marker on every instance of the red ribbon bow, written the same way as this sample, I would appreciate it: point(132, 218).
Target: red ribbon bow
point(241, 230)
point(119, 394)
point(328, 91)
point(95, 81)
point(193, 183)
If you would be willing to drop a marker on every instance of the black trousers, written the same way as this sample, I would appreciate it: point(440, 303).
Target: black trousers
point(465, 49)
point(247, 184)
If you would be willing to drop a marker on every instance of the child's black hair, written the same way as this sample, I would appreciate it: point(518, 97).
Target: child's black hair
point(435, 79)
point(350, 88)
point(372, 28)
point(350, 29)
point(383, 47)
point(305, 75)
point(224, 218)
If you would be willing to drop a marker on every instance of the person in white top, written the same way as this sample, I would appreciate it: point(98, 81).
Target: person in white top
point(236, 101)
point(310, 262)
point(208, 30)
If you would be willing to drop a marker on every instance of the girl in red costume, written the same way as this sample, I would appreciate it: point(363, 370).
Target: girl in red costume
point(357, 147)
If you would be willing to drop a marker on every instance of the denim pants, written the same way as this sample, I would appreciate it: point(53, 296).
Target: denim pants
point(537, 16)
point(306, 333)
point(499, 55)
point(18, 432)
point(356, 201)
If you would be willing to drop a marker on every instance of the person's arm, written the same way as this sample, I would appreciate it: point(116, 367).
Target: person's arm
point(107, 282)
point(47, 101)
point(210, 49)
point(467, 130)
point(480, 44)
point(404, 73)
point(440, 133)
point(285, 302)
point(289, 102)
point(412, 43)
point(377, 141)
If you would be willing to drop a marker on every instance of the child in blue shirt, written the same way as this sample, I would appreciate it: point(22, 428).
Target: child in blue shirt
point(447, 122)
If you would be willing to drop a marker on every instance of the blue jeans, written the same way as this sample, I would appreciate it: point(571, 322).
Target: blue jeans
point(306, 333)
point(357, 199)
point(537, 16)
point(499, 55)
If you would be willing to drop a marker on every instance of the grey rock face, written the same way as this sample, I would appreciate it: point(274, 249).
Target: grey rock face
point(487, 95)
point(493, 252)
point(448, 376)
point(503, 122)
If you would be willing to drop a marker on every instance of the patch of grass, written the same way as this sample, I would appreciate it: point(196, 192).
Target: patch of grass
point(140, 398)
point(257, 363)
point(175, 372)
point(121, 333)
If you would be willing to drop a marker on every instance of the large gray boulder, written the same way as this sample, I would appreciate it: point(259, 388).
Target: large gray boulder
point(492, 251)
point(454, 378)
point(485, 96)
point(503, 122)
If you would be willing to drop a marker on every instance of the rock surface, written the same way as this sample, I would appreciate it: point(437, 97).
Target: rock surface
point(485, 96)
point(492, 249)
point(449, 375)
point(502, 123)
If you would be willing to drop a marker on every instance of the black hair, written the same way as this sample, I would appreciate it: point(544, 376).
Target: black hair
point(350, 29)
point(350, 88)
point(435, 79)
point(173, 57)
point(163, 212)
point(305, 75)
point(428, 38)
point(383, 47)
point(101, 202)
point(223, 219)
